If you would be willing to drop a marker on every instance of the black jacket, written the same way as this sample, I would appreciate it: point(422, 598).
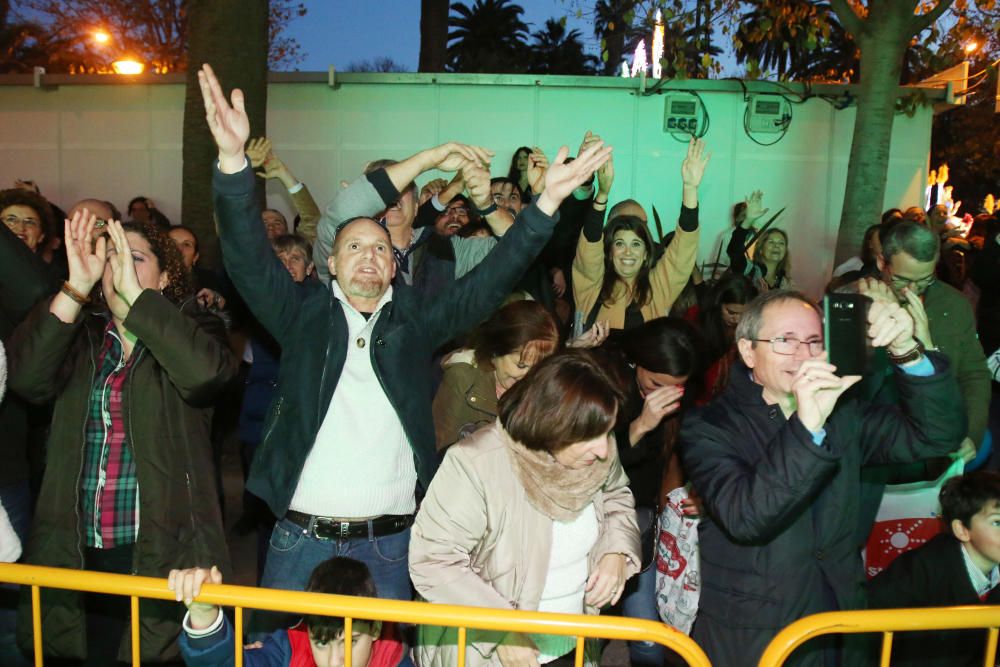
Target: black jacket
point(778, 541)
point(932, 576)
point(309, 324)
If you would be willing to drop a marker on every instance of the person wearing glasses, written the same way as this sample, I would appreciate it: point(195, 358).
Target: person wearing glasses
point(942, 315)
point(777, 459)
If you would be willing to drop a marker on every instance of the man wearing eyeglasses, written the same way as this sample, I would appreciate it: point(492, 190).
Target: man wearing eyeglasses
point(943, 318)
point(777, 458)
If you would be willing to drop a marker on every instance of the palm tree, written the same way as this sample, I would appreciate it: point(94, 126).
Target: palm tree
point(555, 51)
point(488, 37)
point(613, 25)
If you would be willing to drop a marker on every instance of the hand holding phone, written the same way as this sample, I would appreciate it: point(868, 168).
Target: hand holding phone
point(845, 331)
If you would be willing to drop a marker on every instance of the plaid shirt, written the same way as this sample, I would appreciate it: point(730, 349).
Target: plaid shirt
point(109, 487)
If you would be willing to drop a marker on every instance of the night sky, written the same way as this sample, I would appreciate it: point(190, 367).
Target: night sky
point(338, 32)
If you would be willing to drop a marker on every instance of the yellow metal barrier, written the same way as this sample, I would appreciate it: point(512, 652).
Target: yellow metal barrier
point(414, 613)
point(885, 621)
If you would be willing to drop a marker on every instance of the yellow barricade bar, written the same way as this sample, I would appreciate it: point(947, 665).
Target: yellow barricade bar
point(887, 622)
point(349, 607)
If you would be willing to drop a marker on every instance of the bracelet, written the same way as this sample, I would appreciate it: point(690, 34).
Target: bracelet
point(486, 211)
point(907, 357)
point(600, 203)
point(72, 293)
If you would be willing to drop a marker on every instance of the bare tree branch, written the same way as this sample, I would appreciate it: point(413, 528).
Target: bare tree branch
point(924, 21)
point(848, 17)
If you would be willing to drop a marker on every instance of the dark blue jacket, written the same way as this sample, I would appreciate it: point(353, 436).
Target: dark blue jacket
point(309, 324)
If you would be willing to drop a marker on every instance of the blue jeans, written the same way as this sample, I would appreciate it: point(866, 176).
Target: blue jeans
point(292, 554)
point(639, 601)
point(16, 499)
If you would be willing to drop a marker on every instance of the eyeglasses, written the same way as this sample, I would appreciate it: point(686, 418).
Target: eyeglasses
point(899, 282)
point(12, 221)
point(458, 210)
point(789, 346)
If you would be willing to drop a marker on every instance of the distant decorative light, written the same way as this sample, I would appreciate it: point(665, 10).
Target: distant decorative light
point(658, 46)
point(971, 46)
point(128, 67)
point(625, 69)
point(102, 37)
point(639, 59)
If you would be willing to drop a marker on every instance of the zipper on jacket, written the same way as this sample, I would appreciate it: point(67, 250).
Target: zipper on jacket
point(187, 481)
point(127, 415)
point(83, 441)
point(273, 419)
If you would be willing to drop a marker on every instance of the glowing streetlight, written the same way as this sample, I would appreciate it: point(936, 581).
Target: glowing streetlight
point(127, 67)
point(101, 37)
point(971, 47)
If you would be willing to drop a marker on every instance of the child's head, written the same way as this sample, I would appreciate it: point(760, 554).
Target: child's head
point(341, 576)
point(970, 506)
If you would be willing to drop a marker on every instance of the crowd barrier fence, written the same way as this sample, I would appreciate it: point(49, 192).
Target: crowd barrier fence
point(350, 608)
point(887, 622)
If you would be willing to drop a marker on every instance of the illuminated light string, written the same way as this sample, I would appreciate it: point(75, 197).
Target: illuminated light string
point(658, 46)
point(639, 59)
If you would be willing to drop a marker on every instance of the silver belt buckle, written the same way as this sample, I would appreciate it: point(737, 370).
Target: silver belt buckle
point(345, 529)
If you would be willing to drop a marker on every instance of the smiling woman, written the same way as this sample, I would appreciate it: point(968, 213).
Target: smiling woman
point(28, 215)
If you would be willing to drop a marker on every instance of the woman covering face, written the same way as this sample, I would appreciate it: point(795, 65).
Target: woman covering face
point(532, 512)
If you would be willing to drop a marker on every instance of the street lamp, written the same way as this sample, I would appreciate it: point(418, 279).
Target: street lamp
point(971, 47)
point(101, 37)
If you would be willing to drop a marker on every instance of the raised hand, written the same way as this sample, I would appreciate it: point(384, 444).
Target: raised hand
point(477, 183)
point(84, 258)
point(432, 188)
point(921, 325)
point(606, 177)
point(755, 206)
point(229, 124)
point(538, 164)
point(453, 155)
point(693, 167)
point(561, 178)
point(123, 275)
point(891, 327)
point(658, 404)
point(817, 387)
point(257, 151)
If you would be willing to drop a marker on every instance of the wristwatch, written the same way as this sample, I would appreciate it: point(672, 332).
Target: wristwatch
point(907, 357)
point(486, 211)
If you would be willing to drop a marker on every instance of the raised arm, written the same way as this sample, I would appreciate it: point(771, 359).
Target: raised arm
point(251, 263)
point(262, 156)
point(476, 295)
point(588, 263)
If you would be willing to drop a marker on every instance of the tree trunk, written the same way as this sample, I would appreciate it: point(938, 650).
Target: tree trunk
point(882, 48)
point(433, 35)
point(232, 37)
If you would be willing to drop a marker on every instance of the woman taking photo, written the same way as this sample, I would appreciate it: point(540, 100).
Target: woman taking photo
point(531, 513)
point(129, 484)
point(616, 273)
point(502, 350)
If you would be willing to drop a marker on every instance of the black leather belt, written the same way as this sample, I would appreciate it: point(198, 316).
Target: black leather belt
point(327, 528)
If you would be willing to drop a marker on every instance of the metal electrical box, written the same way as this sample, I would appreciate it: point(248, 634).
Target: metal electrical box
point(768, 113)
point(681, 113)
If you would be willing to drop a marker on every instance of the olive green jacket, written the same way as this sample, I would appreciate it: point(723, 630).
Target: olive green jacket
point(182, 364)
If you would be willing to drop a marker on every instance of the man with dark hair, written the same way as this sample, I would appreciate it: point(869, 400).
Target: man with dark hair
point(350, 434)
point(208, 639)
point(776, 459)
point(958, 567)
point(943, 317)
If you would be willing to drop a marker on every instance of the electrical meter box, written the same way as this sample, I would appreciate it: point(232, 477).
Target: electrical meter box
point(681, 113)
point(768, 113)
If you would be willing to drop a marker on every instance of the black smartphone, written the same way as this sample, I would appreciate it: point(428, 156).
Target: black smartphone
point(845, 330)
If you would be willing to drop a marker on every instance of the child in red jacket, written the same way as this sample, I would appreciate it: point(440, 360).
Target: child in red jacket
point(317, 641)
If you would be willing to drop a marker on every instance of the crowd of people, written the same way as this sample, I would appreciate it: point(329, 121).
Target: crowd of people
point(481, 392)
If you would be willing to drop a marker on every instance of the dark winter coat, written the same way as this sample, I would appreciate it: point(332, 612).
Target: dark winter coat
point(777, 541)
point(183, 363)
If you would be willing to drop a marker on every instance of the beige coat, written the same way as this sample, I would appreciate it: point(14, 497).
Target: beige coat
point(478, 541)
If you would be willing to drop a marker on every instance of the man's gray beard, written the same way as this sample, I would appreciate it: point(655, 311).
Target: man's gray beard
point(365, 289)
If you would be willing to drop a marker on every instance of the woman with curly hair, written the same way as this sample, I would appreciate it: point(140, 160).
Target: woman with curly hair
point(772, 264)
point(129, 484)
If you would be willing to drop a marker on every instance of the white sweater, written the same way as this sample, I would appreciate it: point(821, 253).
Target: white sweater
point(361, 464)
